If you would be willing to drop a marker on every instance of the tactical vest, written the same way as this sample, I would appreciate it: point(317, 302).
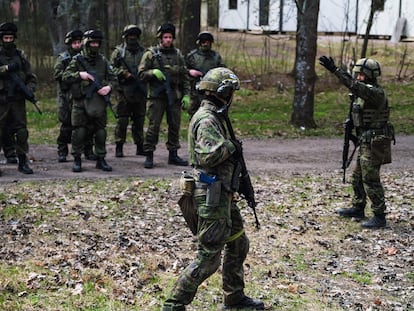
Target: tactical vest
point(15, 58)
point(203, 61)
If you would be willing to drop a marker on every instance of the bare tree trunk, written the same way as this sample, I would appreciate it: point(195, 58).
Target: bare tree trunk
point(376, 5)
point(190, 24)
point(304, 70)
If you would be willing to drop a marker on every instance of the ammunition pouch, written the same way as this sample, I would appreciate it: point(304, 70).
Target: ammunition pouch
point(235, 178)
point(213, 194)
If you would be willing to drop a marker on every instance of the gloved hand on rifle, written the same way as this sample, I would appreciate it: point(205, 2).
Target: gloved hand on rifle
point(237, 154)
point(13, 67)
point(185, 102)
point(159, 74)
point(328, 63)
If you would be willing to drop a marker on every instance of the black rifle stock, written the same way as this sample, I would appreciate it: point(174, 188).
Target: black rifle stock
point(95, 85)
point(245, 187)
point(348, 136)
point(167, 83)
point(28, 93)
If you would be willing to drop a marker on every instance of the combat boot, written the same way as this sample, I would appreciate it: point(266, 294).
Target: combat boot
point(62, 158)
point(353, 212)
point(12, 160)
point(174, 159)
point(377, 221)
point(23, 166)
point(119, 153)
point(77, 165)
point(149, 160)
point(140, 150)
point(101, 164)
point(245, 303)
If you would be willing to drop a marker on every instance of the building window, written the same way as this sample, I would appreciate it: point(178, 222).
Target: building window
point(264, 12)
point(233, 4)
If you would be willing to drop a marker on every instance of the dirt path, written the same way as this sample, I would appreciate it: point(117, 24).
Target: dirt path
point(270, 156)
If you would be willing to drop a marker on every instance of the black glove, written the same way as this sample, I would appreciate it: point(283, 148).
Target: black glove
point(239, 149)
point(328, 63)
point(13, 67)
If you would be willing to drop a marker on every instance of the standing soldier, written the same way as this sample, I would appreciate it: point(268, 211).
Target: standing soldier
point(12, 98)
point(220, 225)
point(88, 75)
point(370, 115)
point(198, 62)
point(163, 68)
point(131, 91)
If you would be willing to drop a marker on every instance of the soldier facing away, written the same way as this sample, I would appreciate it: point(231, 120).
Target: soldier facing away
point(163, 68)
point(220, 225)
point(370, 115)
point(12, 99)
point(199, 61)
point(89, 75)
point(131, 91)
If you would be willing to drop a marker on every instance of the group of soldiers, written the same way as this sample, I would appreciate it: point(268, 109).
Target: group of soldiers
point(151, 82)
point(146, 83)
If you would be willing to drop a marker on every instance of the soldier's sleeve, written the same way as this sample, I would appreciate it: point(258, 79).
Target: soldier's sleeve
point(184, 76)
point(211, 146)
point(116, 64)
point(58, 68)
point(145, 67)
point(71, 73)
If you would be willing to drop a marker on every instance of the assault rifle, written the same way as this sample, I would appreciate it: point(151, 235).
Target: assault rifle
point(167, 83)
point(16, 81)
point(245, 187)
point(95, 85)
point(348, 136)
point(134, 73)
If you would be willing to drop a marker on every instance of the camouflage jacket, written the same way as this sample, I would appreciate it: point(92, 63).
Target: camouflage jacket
point(210, 149)
point(370, 108)
point(174, 66)
point(61, 62)
point(203, 61)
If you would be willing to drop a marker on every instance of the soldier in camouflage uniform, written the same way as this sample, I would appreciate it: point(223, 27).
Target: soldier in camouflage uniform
point(370, 114)
point(73, 40)
point(198, 62)
point(163, 68)
point(89, 112)
point(131, 91)
point(220, 226)
point(12, 99)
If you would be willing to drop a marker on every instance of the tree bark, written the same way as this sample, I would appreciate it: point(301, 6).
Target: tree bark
point(376, 5)
point(190, 24)
point(304, 69)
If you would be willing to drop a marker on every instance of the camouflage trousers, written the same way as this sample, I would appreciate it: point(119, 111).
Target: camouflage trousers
point(155, 112)
point(366, 182)
point(214, 235)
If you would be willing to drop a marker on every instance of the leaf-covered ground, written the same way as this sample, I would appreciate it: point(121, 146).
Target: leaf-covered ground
point(119, 244)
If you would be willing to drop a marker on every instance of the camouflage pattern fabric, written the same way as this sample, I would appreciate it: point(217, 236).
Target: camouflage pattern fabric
point(371, 101)
point(220, 227)
point(131, 101)
point(157, 100)
point(13, 106)
point(88, 114)
point(202, 61)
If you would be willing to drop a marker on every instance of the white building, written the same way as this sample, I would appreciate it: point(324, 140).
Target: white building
point(335, 16)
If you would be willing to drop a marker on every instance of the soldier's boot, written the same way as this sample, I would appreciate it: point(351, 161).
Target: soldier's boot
point(174, 159)
point(62, 153)
point(102, 165)
point(89, 155)
point(377, 221)
point(149, 160)
point(23, 166)
point(77, 165)
point(167, 307)
point(62, 158)
point(353, 212)
point(245, 303)
point(119, 152)
point(140, 150)
point(12, 160)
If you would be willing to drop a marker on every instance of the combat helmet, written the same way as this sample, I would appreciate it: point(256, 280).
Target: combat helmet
point(92, 35)
point(73, 35)
point(220, 81)
point(8, 28)
point(166, 28)
point(369, 67)
point(131, 30)
point(204, 36)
